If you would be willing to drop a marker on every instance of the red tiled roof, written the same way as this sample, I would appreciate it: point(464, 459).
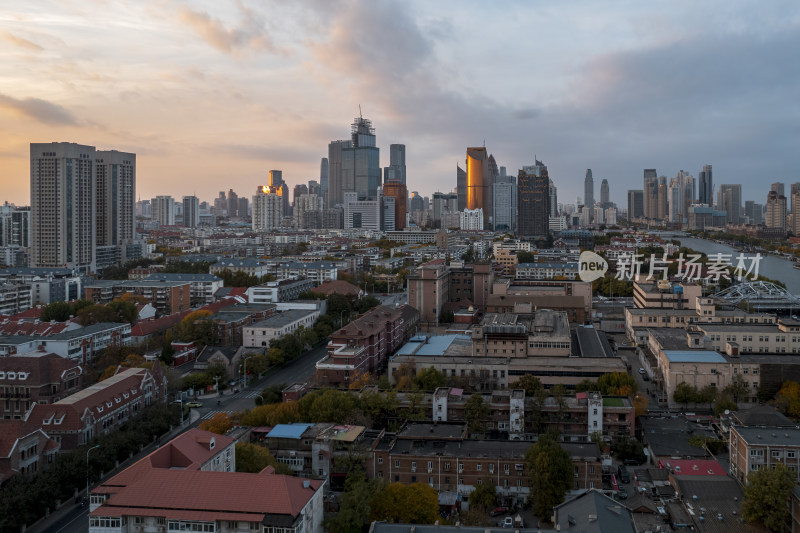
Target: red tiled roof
point(17, 326)
point(190, 449)
point(152, 325)
point(47, 368)
point(29, 314)
point(212, 492)
point(13, 430)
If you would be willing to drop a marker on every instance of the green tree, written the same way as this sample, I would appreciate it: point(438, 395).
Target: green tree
point(365, 303)
point(550, 471)
point(483, 496)
point(586, 385)
point(355, 507)
point(429, 379)
point(530, 384)
point(707, 394)
point(332, 406)
point(417, 503)
point(738, 388)
point(475, 411)
point(627, 448)
point(684, 394)
point(56, 311)
point(255, 458)
point(724, 402)
point(272, 394)
point(767, 496)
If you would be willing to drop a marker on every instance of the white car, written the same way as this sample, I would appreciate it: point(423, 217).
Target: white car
point(641, 371)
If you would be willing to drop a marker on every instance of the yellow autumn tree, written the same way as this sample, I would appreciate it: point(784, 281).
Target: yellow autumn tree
point(220, 423)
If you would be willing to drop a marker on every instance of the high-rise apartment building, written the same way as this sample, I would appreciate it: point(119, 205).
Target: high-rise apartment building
point(533, 201)
point(276, 182)
point(705, 187)
point(398, 191)
point(553, 199)
point(795, 207)
point(306, 203)
point(675, 201)
point(336, 186)
point(323, 178)
point(233, 204)
point(729, 199)
point(115, 198)
point(15, 226)
point(461, 188)
point(163, 210)
point(244, 207)
point(650, 193)
point(688, 192)
point(396, 171)
point(479, 183)
point(635, 204)
point(588, 193)
point(63, 189)
point(776, 211)
point(191, 211)
point(779, 188)
point(267, 208)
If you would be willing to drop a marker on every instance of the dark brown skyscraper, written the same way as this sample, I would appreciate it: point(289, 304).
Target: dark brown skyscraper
point(533, 201)
point(398, 191)
point(479, 183)
point(461, 188)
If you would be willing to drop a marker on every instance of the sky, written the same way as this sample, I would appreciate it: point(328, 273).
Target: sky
point(211, 95)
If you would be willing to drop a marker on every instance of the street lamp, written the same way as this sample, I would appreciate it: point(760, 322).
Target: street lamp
point(180, 399)
point(341, 318)
point(87, 469)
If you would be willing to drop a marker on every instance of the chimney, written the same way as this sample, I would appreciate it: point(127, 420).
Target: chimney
point(306, 483)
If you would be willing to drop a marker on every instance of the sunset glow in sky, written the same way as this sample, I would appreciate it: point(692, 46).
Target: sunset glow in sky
point(211, 95)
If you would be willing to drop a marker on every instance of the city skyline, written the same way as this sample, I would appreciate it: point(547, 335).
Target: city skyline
point(216, 95)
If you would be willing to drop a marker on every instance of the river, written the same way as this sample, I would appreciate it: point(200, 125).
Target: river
point(770, 266)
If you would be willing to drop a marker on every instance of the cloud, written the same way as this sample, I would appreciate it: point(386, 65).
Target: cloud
point(19, 41)
point(38, 109)
point(250, 34)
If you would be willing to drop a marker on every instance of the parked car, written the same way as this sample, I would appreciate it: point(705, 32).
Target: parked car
point(508, 523)
point(623, 474)
point(191, 405)
point(641, 371)
point(631, 462)
point(499, 510)
point(622, 494)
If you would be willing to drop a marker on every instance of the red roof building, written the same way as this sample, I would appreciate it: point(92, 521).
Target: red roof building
point(181, 487)
point(339, 286)
point(24, 448)
point(27, 380)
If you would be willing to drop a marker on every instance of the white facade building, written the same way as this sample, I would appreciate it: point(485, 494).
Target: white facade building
point(259, 334)
point(472, 219)
point(267, 208)
point(164, 210)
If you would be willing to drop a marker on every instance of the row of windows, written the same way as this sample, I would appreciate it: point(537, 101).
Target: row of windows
point(520, 482)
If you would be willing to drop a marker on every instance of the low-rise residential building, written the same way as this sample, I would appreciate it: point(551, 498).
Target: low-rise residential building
point(318, 271)
point(14, 298)
point(428, 289)
point(231, 321)
point(273, 292)
point(362, 346)
point(259, 334)
point(100, 408)
point(525, 296)
point(542, 333)
point(203, 286)
point(190, 484)
point(85, 343)
point(251, 267)
point(662, 294)
point(168, 297)
point(754, 448)
point(345, 288)
point(48, 285)
point(25, 380)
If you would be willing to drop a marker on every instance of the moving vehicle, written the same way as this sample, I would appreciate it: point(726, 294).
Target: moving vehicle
point(641, 371)
point(191, 405)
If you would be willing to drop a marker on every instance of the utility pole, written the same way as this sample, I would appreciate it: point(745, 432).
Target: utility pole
point(219, 392)
point(87, 470)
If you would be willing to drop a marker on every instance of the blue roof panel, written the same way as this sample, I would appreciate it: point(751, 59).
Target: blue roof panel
point(288, 431)
point(694, 356)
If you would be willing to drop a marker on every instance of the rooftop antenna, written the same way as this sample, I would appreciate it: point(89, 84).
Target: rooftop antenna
point(359, 112)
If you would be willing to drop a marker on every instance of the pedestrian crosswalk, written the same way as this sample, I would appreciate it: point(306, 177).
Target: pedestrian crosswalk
point(211, 414)
point(249, 393)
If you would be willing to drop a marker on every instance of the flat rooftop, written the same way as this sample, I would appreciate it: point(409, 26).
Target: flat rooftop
point(283, 318)
point(694, 356)
point(453, 344)
point(770, 435)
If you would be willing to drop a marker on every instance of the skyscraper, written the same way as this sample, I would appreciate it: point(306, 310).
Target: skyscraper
point(115, 211)
point(15, 226)
point(705, 187)
point(336, 186)
point(553, 199)
point(164, 210)
point(478, 183)
point(398, 191)
point(361, 161)
point(776, 211)
point(396, 171)
point(244, 207)
point(276, 182)
point(650, 193)
point(63, 189)
point(461, 188)
point(663, 203)
point(729, 199)
point(635, 204)
point(323, 178)
point(191, 211)
point(605, 194)
point(588, 193)
point(779, 188)
point(233, 204)
point(494, 173)
point(675, 199)
point(533, 201)
point(505, 203)
point(795, 207)
point(754, 212)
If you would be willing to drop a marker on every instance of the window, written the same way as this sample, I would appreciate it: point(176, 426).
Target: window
point(380, 460)
point(396, 463)
point(447, 467)
point(478, 467)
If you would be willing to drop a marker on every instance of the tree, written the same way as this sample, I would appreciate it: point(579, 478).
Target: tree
point(220, 423)
point(684, 394)
point(272, 414)
point(617, 384)
point(788, 399)
point(483, 496)
point(724, 402)
point(366, 303)
point(417, 503)
point(429, 379)
point(332, 406)
point(766, 497)
point(640, 402)
point(559, 393)
point(550, 471)
point(530, 384)
point(738, 388)
point(355, 507)
point(707, 394)
point(475, 411)
point(627, 448)
point(255, 458)
point(272, 394)
point(586, 385)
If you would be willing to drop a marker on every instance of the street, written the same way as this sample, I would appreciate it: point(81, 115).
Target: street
point(75, 519)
